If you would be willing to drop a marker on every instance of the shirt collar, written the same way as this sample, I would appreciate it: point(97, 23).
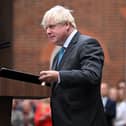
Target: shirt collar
point(68, 40)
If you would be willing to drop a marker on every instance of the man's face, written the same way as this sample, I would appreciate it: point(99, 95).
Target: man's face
point(57, 33)
point(104, 89)
point(121, 90)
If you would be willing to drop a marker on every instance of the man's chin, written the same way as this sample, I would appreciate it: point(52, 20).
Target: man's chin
point(51, 41)
point(55, 42)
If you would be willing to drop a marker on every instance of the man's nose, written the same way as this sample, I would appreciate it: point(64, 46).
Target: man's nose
point(48, 30)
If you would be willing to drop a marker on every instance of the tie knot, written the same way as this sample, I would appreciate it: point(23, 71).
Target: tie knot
point(62, 49)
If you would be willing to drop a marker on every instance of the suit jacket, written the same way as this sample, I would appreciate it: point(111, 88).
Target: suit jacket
point(76, 100)
point(110, 111)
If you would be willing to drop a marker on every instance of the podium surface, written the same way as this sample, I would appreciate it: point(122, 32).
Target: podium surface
point(16, 88)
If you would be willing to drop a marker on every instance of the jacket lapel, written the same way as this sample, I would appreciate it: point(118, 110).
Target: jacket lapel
point(67, 52)
point(68, 49)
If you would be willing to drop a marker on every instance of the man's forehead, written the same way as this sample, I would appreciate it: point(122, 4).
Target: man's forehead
point(50, 21)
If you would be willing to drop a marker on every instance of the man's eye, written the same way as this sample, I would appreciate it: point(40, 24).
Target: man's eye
point(52, 26)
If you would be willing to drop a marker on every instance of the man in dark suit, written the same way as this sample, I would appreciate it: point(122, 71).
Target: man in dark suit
point(109, 104)
point(110, 111)
point(75, 79)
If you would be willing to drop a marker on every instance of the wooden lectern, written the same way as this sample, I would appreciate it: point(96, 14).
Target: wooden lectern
point(12, 87)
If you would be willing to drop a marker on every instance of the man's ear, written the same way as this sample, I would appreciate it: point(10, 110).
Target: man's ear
point(68, 25)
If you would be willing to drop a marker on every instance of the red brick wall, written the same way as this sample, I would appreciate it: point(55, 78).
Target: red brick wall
point(103, 19)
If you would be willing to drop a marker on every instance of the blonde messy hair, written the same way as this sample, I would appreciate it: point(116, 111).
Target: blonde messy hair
point(58, 14)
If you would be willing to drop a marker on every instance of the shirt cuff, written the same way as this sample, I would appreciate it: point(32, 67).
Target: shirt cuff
point(59, 79)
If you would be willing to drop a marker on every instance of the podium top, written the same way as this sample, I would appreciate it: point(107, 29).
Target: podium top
point(18, 75)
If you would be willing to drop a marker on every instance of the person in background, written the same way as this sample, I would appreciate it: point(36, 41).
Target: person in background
point(34, 103)
point(16, 114)
point(120, 119)
point(109, 104)
point(43, 113)
point(28, 114)
point(113, 93)
point(76, 72)
point(122, 86)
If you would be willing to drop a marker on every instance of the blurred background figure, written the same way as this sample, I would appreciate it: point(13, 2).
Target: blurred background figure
point(108, 104)
point(113, 93)
point(28, 114)
point(34, 103)
point(122, 85)
point(16, 115)
point(120, 119)
point(43, 113)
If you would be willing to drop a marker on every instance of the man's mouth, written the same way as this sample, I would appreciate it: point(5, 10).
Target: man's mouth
point(51, 37)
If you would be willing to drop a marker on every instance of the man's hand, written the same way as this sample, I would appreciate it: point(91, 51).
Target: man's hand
point(49, 76)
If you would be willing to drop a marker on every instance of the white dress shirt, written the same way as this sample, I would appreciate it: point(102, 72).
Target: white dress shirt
point(120, 119)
